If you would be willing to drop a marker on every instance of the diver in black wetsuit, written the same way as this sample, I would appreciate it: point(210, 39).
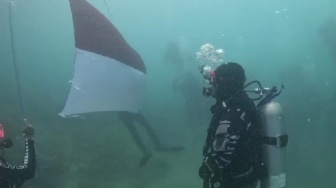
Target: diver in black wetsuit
point(187, 85)
point(232, 152)
point(173, 55)
point(129, 119)
point(12, 176)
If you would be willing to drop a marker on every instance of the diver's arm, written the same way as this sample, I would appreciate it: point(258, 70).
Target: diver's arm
point(24, 172)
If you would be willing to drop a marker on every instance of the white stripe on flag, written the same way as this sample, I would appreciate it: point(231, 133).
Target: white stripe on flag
point(101, 83)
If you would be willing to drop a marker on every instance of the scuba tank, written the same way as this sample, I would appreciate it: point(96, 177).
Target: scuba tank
point(274, 138)
point(274, 145)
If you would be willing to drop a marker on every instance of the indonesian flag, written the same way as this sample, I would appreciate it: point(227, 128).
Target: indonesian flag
point(108, 74)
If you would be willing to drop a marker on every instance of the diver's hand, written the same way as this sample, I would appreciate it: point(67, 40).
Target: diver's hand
point(204, 172)
point(28, 130)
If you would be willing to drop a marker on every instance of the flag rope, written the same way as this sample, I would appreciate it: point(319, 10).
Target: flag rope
point(108, 10)
point(17, 77)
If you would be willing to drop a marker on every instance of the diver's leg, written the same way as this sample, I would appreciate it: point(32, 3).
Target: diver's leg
point(152, 134)
point(127, 118)
point(158, 145)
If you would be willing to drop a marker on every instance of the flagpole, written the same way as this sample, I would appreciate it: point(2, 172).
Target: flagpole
point(17, 77)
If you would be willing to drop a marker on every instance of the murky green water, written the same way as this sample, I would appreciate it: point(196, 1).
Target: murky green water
point(277, 41)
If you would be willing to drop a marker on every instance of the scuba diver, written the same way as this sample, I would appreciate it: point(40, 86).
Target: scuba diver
point(173, 55)
point(233, 148)
point(12, 176)
point(129, 118)
point(186, 84)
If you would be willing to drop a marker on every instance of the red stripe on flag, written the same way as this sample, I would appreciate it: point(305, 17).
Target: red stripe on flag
point(95, 33)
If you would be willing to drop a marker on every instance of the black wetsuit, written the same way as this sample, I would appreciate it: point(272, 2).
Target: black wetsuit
point(233, 146)
point(12, 176)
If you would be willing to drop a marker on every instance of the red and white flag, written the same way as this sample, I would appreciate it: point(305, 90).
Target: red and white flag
point(109, 75)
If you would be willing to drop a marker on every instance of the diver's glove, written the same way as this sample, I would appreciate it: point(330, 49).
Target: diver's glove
point(28, 130)
point(6, 143)
point(204, 172)
point(208, 168)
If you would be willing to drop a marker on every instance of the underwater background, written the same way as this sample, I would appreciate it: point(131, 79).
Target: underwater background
point(277, 42)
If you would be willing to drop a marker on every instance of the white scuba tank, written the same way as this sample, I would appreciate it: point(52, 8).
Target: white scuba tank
point(274, 146)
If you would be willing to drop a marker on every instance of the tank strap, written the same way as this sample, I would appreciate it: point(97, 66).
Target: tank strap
point(278, 141)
